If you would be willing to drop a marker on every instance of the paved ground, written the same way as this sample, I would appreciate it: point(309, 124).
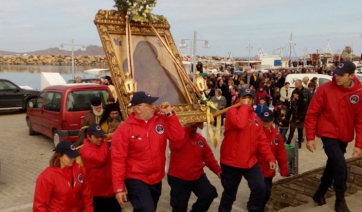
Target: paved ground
point(23, 157)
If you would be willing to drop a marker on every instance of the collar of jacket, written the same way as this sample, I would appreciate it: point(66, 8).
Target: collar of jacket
point(355, 87)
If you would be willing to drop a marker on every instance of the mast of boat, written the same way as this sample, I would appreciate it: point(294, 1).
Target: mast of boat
point(290, 47)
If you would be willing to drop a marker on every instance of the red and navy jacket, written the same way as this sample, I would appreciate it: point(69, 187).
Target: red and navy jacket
point(139, 149)
point(55, 193)
point(277, 147)
point(243, 138)
point(336, 112)
point(190, 156)
point(97, 161)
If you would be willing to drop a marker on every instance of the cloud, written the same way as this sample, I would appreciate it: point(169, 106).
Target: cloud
point(24, 26)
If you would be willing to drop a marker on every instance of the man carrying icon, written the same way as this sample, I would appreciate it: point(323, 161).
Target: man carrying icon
point(138, 152)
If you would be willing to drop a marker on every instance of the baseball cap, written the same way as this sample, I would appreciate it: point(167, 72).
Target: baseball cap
point(245, 92)
point(345, 67)
point(96, 130)
point(267, 115)
point(142, 97)
point(68, 148)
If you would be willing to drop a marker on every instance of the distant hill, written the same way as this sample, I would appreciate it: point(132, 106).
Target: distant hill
point(90, 50)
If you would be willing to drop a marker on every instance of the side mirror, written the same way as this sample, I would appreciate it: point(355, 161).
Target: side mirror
point(16, 90)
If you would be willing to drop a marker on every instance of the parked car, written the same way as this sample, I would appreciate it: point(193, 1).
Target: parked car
point(13, 96)
point(291, 78)
point(59, 110)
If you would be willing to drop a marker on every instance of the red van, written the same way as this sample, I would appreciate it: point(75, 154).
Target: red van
point(59, 110)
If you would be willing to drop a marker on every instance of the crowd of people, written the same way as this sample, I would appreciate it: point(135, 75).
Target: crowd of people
point(126, 161)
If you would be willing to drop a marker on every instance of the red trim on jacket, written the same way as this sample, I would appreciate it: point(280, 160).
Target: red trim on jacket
point(336, 112)
point(190, 156)
point(243, 137)
point(97, 161)
point(277, 147)
point(54, 192)
point(138, 148)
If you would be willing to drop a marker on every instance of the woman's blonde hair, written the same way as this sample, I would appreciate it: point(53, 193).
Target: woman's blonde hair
point(305, 80)
point(55, 160)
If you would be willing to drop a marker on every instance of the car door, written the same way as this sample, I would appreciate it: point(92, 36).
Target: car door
point(35, 114)
point(51, 115)
point(11, 97)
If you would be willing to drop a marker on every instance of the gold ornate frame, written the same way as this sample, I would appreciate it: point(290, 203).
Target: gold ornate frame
point(111, 22)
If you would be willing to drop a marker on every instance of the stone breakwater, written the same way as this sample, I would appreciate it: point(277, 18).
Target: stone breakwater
point(55, 60)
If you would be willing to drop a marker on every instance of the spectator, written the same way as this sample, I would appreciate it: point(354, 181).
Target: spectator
point(298, 111)
point(305, 91)
point(234, 95)
point(281, 80)
point(312, 88)
point(210, 91)
point(276, 96)
point(285, 94)
point(261, 107)
point(276, 113)
point(305, 81)
point(78, 79)
point(269, 90)
point(221, 103)
point(225, 91)
point(262, 94)
point(283, 122)
point(242, 84)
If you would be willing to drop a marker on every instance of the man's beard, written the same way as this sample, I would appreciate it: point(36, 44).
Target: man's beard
point(98, 113)
point(116, 120)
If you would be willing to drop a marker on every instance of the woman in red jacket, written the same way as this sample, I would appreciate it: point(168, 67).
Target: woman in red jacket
point(62, 186)
point(96, 157)
point(277, 147)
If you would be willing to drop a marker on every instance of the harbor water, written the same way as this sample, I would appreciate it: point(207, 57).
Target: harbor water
point(31, 75)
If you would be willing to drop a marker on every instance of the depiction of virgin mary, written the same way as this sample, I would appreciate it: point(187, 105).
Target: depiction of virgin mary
point(152, 77)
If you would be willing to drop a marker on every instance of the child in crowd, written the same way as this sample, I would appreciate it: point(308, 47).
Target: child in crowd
point(278, 149)
point(283, 122)
point(261, 107)
point(276, 113)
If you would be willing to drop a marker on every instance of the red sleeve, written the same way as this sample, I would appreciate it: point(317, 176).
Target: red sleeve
point(119, 154)
point(43, 192)
point(264, 148)
point(237, 118)
point(281, 156)
point(267, 95)
point(87, 197)
point(175, 131)
point(209, 158)
point(179, 144)
point(314, 110)
point(93, 158)
point(359, 129)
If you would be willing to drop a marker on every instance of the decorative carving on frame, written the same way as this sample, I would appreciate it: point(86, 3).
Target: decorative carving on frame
point(155, 43)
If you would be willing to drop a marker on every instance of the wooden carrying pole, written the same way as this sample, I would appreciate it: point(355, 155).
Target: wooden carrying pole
point(219, 112)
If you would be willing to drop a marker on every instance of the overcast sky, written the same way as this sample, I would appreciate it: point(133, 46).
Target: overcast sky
point(229, 25)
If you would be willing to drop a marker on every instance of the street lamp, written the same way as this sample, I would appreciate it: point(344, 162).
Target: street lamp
point(61, 47)
point(250, 48)
point(194, 45)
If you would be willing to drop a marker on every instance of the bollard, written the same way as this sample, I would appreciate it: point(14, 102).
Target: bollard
point(296, 157)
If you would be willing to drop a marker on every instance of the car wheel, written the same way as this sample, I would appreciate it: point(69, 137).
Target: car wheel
point(56, 139)
point(31, 131)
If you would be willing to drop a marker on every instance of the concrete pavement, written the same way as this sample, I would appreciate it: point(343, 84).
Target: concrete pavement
point(23, 157)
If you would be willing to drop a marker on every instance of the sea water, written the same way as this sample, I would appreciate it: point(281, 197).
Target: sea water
point(31, 75)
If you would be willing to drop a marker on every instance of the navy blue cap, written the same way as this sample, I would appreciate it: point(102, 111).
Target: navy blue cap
point(345, 67)
point(68, 148)
point(142, 97)
point(246, 92)
point(96, 130)
point(267, 115)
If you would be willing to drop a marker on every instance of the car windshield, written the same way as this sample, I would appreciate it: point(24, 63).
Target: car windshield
point(80, 100)
point(322, 81)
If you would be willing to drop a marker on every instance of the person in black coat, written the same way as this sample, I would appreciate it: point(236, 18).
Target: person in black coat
point(281, 80)
point(210, 91)
point(298, 112)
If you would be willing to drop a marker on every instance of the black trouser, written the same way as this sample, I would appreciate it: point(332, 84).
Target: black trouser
point(181, 191)
point(230, 180)
point(268, 186)
point(109, 204)
point(336, 168)
point(143, 197)
point(291, 135)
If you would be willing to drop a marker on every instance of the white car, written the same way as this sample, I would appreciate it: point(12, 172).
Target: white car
point(291, 78)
